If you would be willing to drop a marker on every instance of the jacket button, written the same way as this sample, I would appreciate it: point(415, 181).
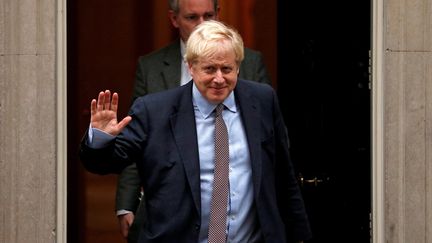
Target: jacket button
point(197, 227)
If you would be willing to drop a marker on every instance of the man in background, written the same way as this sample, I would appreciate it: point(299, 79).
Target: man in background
point(164, 69)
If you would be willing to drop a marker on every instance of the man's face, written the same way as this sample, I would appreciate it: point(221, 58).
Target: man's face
point(215, 77)
point(192, 13)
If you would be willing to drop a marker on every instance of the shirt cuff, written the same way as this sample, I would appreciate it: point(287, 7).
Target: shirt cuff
point(98, 138)
point(122, 212)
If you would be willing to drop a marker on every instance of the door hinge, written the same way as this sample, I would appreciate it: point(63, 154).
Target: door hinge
point(370, 70)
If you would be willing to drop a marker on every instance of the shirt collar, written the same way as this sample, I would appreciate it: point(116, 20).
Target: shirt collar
point(182, 48)
point(206, 108)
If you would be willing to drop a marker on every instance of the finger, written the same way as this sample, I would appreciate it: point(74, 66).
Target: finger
point(130, 219)
point(107, 101)
point(100, 101)
point(124, 225)
point(125, 233)
point(114, 102)
point(124, 230)
point(93, 107)
point(123, 123)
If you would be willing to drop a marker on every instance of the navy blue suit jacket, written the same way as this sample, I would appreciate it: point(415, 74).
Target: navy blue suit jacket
point(161, 139)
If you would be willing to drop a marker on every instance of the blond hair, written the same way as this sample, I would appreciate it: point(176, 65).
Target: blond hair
point(211, 37)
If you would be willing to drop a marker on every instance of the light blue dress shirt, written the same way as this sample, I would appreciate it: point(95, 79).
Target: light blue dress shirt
point(242, 221)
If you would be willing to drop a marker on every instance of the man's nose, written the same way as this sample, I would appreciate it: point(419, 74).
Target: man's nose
point(218, 76)
point(201, 19)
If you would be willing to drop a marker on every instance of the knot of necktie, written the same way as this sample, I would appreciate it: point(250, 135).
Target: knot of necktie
point(219, 108)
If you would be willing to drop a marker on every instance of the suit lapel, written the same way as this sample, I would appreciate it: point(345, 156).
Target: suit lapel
point(250, 113)
point(184, 132)
point(171, 73)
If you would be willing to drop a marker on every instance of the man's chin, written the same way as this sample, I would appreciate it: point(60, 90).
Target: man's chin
point(216, 99)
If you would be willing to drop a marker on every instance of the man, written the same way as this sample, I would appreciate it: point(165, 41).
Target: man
point(169, 135)
point(164, 69)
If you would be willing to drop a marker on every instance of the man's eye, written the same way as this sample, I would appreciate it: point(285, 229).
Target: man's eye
point(209, 16)
point(227, 69)
point(210, 69)
point(191, 17)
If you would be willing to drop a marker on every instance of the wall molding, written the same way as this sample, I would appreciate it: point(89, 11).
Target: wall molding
point(377, 143)
point(61, 129)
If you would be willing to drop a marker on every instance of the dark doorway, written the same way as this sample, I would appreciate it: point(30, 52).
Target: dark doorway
point(105, 39)
point(323, 86)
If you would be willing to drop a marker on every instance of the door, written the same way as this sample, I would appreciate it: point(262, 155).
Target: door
point(323, 87)
point(105, 39)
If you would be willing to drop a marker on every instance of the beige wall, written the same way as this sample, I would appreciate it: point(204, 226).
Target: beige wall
point(407, 96)
point(32, 136)
point(28, 121)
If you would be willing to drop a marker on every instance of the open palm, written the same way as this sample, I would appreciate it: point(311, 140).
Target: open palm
point(104, 114)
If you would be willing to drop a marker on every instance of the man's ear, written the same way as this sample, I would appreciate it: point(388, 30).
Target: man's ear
point(190, 68)
point(173, 18)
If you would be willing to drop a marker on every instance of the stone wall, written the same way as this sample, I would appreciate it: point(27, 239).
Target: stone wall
point(407, 86)
point(28, 121)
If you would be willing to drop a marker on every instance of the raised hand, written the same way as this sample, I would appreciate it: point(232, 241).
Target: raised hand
point(104, 114)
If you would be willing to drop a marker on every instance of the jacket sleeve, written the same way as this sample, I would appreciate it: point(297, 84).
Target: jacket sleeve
point(99, 161)
point(128, 189)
